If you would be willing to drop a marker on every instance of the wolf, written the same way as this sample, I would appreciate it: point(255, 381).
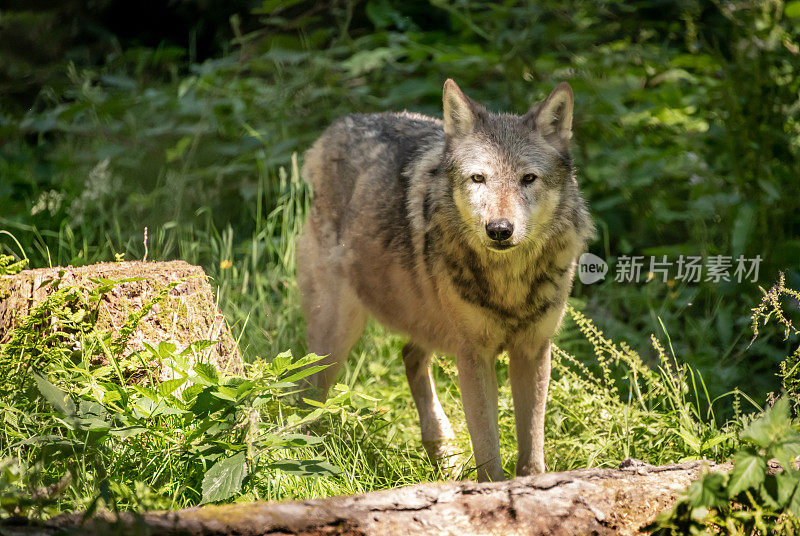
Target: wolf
point(460, 233)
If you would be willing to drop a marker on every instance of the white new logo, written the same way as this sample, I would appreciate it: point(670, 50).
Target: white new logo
point(591, 268)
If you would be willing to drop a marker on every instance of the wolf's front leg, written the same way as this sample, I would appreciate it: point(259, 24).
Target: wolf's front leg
point(529, 371)
point(437, 434)
point(478, 384)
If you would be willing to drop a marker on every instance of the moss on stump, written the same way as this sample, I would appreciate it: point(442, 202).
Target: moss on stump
point(187, 313)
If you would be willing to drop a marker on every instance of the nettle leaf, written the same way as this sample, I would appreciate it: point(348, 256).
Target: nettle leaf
point(146, 391)
point(207, 372)
point(191, 392)
point(167, 387)
point(709, 491)
point(771, 427)
point(789, 492)
point(304, 373)
point(205, 403)
point(245, 388)
point(148, 408)
point(281, 362)
point(90, 408)
point(94, 424)
point(197, 346)
point(786, 451)
point(225, 393)
point(771, 493)
point(305, 361)
point(306, 467)
point(278, 385)
point(782, 488)
point(114, 393)
point(781, 492)
point(224, 479)
point(60, 400)
point(293, 440)
point(748, 471)
point(165, 349)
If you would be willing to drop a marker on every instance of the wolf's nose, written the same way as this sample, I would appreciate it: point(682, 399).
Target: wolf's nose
point(500, 229)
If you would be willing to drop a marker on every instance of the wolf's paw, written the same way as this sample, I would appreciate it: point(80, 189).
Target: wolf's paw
point(446, 457)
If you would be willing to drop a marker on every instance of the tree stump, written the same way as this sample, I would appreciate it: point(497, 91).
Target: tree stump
point(582, 502)
point(187, 313)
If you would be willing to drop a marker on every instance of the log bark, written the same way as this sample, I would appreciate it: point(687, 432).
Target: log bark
point(581, 502)
point(188, 313)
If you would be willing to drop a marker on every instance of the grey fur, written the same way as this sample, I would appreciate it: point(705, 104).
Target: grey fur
point(397, 229)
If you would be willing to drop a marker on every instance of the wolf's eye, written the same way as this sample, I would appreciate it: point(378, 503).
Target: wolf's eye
point(528, 178)
point(478, 178)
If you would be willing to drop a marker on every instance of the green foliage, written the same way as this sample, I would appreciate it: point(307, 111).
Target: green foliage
point(50, 333)
point(749, 499)
point(63, 327)
point(225, 478)
point(621, 408)
point(214, 433)
point(75, 431)
point(772, 308)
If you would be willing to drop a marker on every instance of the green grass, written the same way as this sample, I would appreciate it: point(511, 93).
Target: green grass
point(605, 403)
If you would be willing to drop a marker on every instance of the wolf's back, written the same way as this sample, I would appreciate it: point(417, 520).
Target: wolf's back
point(358, 165)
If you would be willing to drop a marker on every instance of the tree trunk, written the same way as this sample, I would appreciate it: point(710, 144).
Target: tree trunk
point(188, 313)
point(580, 502)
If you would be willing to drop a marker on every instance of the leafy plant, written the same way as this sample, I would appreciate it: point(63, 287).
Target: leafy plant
point(222, 428)
point(749, 499)
point(214, 434)
point(76, 426)
point(64, 327)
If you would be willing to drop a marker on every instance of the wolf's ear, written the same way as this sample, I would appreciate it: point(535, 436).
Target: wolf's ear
point(553, 117)
point(460, 112)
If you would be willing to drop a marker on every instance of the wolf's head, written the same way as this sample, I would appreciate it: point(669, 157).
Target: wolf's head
point(509, 173)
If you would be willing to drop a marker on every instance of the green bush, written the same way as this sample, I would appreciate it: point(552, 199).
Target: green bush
point(75, 431)
point(748, 500)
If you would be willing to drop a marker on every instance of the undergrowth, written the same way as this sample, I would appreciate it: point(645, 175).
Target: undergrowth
point(761, 494)
point(83, 422)
point(750, 499)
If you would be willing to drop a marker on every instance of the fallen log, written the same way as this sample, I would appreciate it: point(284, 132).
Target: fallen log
point(187, 313)
point(585, 501)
